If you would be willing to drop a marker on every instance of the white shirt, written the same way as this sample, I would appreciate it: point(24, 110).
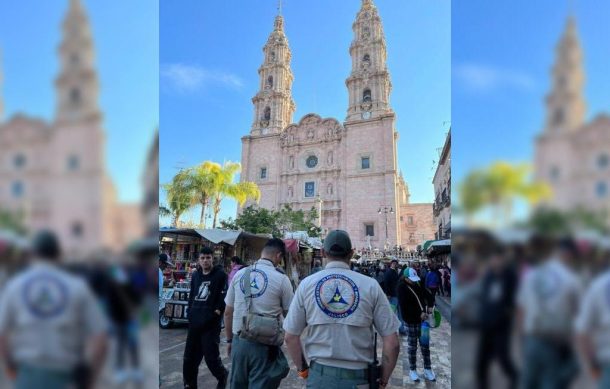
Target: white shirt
point(594, 317)
point(48, 314)
point(340, 307)
point(271, 292)
point(549, 296)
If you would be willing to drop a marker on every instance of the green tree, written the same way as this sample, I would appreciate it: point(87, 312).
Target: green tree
point(260, 220)
point(12, 221)
point(179, 197)
point(202, 182)
point(498, 187)
point(223, 186)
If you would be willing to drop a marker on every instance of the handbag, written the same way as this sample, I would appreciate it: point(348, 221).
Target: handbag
point(258, 327)
point(434, 319)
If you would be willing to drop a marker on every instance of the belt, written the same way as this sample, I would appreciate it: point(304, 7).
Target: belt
point(339, 372)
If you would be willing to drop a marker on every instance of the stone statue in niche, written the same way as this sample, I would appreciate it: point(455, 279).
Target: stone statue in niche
point(329, 189)
point(290, 191)
point(329, 158)
point(310, 134)
point(291, 162)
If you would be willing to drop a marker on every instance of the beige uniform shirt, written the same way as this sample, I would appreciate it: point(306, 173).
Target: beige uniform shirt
point(271, 291)
point(340, 308)
point(549, 296)
point(594, 317)
point(48, 315)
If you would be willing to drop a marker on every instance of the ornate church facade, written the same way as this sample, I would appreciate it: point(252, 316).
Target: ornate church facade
point(348, 170)
point(572, 156)
point(54, 173)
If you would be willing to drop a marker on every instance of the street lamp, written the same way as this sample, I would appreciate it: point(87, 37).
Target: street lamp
point(319, 201)
point(385, 210)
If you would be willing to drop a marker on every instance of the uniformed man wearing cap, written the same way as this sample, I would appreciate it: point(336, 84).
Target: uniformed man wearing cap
point(48, 318)
point(256, 365)
point(341, 309)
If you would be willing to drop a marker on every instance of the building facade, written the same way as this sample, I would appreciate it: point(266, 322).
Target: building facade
point(442, 192)
point(347, 169)
point(572, 156)
point(415, 219)
point(54, 173)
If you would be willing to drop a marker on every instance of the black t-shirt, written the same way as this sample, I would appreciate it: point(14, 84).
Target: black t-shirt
point(207, 295)
point(390, 279)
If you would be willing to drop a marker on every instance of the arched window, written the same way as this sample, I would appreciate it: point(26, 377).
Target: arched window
point(270, 82)
point(267, 114)
point(75, 95)
point(366, 95)
point(272, 56)
point(366, 58)
point(558, 116)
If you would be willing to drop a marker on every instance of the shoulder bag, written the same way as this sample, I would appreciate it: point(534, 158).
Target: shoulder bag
point(258, 327)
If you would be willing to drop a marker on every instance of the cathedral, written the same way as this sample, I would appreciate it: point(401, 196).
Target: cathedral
point(347, 170)
point(572, 156)
point(53, 173)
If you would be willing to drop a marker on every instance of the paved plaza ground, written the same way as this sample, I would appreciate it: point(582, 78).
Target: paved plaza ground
point(172, 341)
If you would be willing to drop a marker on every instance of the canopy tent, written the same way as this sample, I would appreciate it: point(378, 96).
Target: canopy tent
point(439, 247)
point(214, 235)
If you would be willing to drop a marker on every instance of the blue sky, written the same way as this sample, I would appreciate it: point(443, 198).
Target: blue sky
point(502, 53)
point(210, 53)
point(126, 39)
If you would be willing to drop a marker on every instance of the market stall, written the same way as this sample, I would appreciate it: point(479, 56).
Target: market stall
point(183, 246)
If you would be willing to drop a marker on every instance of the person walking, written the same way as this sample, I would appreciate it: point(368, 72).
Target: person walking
point(496, 312)
point(341, 310)
point(593, 331)
point(547, 302)
point(433, 281)
point(390, 281)
point(416, 304)
point(263, 292)
point(317, 267)
point(48, 319)
point(236, 265)
point(205, 308)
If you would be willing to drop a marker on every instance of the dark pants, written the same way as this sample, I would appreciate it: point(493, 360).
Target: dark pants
point(433, 291)
point(495, 343)
point(127, 343)
point(202, 343)
point(547, 364)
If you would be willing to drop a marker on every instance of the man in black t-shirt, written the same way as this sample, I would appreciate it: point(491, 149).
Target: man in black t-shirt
point(205, 309)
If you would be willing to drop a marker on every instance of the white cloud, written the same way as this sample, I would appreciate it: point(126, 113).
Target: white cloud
point(190, 78)
point(484, 78)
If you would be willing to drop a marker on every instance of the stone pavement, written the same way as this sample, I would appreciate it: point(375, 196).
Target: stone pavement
point(171, 349)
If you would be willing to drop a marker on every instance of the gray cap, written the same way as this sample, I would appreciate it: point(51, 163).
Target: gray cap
point(337, 243)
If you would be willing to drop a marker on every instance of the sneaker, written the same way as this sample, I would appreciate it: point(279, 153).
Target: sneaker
point(429, 375)
point(413, 375)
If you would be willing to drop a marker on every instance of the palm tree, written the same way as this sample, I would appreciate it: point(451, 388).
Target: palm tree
point(498, 186)
point(202, 183)
point(223, 186)
point(179, 197)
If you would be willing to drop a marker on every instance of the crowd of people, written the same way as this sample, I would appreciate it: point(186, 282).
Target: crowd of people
point(329, 324)
point(547, 297)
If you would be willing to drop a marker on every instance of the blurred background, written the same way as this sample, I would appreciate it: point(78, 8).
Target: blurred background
point(79, 151)
point(530, 244)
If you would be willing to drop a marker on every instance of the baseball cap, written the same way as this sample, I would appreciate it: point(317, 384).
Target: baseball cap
point(46, 245)
point(337, 243)
point(411, 274)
